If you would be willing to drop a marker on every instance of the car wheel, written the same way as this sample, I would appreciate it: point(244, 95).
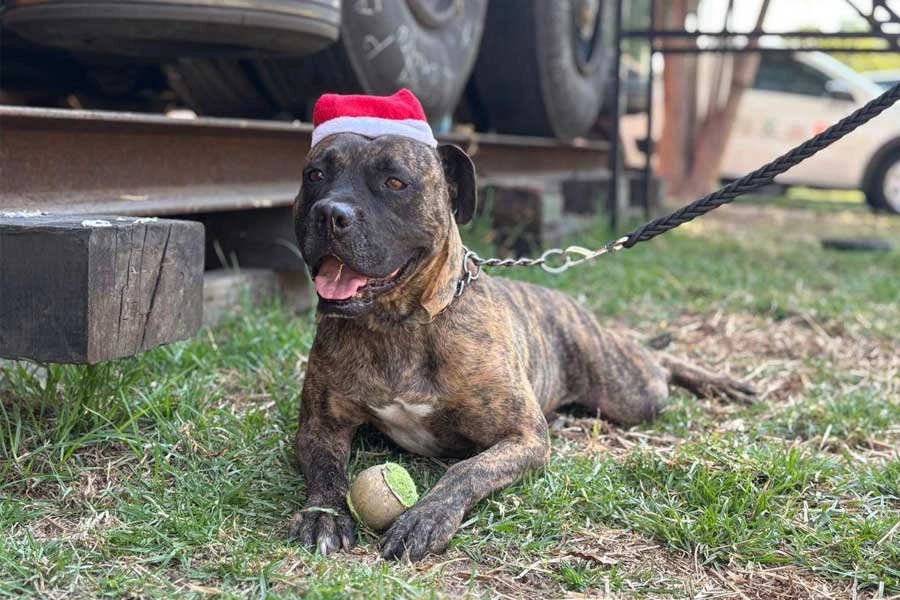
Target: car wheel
point(543, 65)
point(167, 28)
point(884, 190)
point(428, 46)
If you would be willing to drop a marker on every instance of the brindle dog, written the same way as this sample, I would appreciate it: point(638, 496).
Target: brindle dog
point(470, 377)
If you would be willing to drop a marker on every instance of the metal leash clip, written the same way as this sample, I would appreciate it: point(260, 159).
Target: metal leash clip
point(575, 255)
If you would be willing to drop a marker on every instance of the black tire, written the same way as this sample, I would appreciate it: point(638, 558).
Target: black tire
point(883, 193)
point(857, 244)
point(218, 87)
point(536, 74)
point(294, 84)
point(167, 28)
point(428, 46)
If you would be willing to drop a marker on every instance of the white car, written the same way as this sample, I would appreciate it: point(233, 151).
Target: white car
point(795, 96)
point(798, 95)
point(885, 78)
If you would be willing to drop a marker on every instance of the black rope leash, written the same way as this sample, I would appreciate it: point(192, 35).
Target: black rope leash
point(764, 175)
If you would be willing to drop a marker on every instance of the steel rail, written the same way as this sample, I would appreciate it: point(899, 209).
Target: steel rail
point(74, 161)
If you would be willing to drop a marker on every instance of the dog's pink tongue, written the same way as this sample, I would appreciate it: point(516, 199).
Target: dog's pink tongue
point(338, 282)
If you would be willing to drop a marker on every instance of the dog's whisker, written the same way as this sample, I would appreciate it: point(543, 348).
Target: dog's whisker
point(340, 270)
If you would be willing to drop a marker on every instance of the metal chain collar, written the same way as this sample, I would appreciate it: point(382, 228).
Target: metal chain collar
point(571, 256)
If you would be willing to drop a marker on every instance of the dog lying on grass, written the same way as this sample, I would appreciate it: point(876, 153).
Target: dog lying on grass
point(470, 376)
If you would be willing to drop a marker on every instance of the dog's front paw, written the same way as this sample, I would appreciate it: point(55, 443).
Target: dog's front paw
point(421, 530)
point(323, 529)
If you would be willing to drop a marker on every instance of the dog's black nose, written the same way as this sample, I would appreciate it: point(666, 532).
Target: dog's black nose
point(334, 216)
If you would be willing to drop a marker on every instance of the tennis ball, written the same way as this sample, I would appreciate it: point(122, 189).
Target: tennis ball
point(380, 494)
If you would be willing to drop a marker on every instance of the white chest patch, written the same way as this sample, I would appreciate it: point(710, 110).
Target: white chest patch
point(404, 422)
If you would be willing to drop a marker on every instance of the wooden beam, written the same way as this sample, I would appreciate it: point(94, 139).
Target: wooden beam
point(84, 290)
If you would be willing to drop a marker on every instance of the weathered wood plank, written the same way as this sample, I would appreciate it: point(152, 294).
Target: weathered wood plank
point(88, 289)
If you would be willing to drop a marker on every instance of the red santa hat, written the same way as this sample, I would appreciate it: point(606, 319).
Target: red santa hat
point(372, 117)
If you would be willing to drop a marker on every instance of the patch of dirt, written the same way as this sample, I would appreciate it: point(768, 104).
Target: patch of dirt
point(775, 354)
point(635, 565)
point(77, 504)
point(84, 530)
point(92, 475)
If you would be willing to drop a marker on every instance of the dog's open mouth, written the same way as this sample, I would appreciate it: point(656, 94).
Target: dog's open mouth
point(337, 282)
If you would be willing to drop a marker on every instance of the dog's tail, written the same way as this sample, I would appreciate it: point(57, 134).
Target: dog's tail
point(706, 384)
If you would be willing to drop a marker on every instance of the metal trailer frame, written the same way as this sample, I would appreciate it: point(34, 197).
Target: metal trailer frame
point(95, 162)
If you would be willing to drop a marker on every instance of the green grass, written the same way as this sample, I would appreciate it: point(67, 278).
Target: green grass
point(172, 474)
point(819, 201)
point(699, 274)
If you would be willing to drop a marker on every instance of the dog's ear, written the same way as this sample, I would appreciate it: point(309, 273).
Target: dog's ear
point(459, 172)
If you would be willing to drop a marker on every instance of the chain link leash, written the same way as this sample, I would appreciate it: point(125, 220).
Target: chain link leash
point(575, 255)
point(554, 260)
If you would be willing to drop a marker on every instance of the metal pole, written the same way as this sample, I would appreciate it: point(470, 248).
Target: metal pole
point(648, 154)
point(751, 35)
point(615, 159)
point(746, 49)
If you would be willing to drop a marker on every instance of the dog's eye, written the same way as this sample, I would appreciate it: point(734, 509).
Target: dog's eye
point(315, 175)
point(395, 184)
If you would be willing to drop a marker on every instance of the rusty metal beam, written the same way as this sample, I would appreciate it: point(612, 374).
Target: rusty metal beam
point(123, 163)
